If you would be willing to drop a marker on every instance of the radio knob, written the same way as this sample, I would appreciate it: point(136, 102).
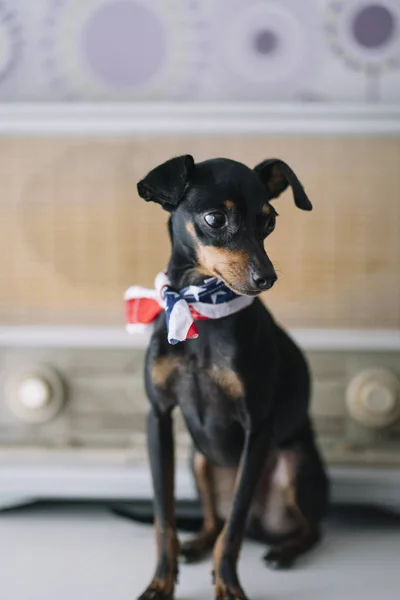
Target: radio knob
point(34, 394)
point(373, 398)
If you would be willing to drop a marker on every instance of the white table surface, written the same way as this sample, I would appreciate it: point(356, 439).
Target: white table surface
point(87, 553)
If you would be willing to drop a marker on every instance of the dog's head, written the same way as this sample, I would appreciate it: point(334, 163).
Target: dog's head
point(221, 215)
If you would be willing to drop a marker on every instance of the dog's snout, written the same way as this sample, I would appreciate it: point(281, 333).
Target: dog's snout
point(264, 280)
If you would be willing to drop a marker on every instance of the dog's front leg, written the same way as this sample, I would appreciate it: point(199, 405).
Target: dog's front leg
point(161, 452)
point(229, 542)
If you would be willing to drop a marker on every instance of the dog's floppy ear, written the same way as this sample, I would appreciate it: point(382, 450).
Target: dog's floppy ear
point(276, 175)
point(166, 183)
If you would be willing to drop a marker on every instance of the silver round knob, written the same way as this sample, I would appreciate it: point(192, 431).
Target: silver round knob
point(373, 398)
point(34, 393)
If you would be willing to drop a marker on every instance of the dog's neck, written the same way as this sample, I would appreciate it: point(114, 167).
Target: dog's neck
point(183, 268)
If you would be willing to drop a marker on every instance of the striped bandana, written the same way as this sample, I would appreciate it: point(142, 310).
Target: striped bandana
point(211, 300)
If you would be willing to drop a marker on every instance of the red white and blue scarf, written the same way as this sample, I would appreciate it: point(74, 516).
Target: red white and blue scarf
point(211, 300)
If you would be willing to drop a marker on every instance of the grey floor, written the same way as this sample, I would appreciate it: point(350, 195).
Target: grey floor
point(87, 553)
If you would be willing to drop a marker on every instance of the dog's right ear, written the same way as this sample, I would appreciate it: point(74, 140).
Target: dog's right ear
point(166, 183)
point(276, 175)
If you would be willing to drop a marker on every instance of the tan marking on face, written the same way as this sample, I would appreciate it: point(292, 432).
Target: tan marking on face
point(229, 204)
point(266, 209)
point(232, 266)
point(190, 230)
point(163, 369)
point(228, 381)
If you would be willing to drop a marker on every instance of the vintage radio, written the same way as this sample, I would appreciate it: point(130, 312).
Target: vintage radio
point(74, 235)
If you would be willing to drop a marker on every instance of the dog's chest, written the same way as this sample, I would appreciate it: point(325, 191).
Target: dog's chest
point(209, 369)
point(216, 386)
point(202, 376)
point(210, 394)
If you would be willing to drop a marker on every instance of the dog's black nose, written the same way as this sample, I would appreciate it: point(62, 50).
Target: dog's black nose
point(264, 281)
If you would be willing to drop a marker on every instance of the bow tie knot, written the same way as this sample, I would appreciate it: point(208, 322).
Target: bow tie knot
point(211, 300)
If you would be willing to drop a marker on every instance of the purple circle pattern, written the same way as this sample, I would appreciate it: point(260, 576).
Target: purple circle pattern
point(124, 43)
point(364, 35)
point(264, 50)
point(79, 68)
point(373, 26)
point(266, 42)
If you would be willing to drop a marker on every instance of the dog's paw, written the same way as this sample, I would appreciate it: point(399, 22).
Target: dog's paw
point(283, 557)
point(194, 551)
point(229, 592)
point(279, 558)
point(151, 594)
point(228, 589)
point(159, 589)
point(199, 546)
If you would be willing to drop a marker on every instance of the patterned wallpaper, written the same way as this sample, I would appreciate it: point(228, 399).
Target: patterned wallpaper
point(294, 50)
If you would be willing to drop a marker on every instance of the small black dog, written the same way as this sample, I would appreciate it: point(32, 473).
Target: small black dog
point(243, 386)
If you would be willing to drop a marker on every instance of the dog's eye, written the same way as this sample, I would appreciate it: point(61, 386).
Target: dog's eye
point(269, 225)
point(216, 220)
